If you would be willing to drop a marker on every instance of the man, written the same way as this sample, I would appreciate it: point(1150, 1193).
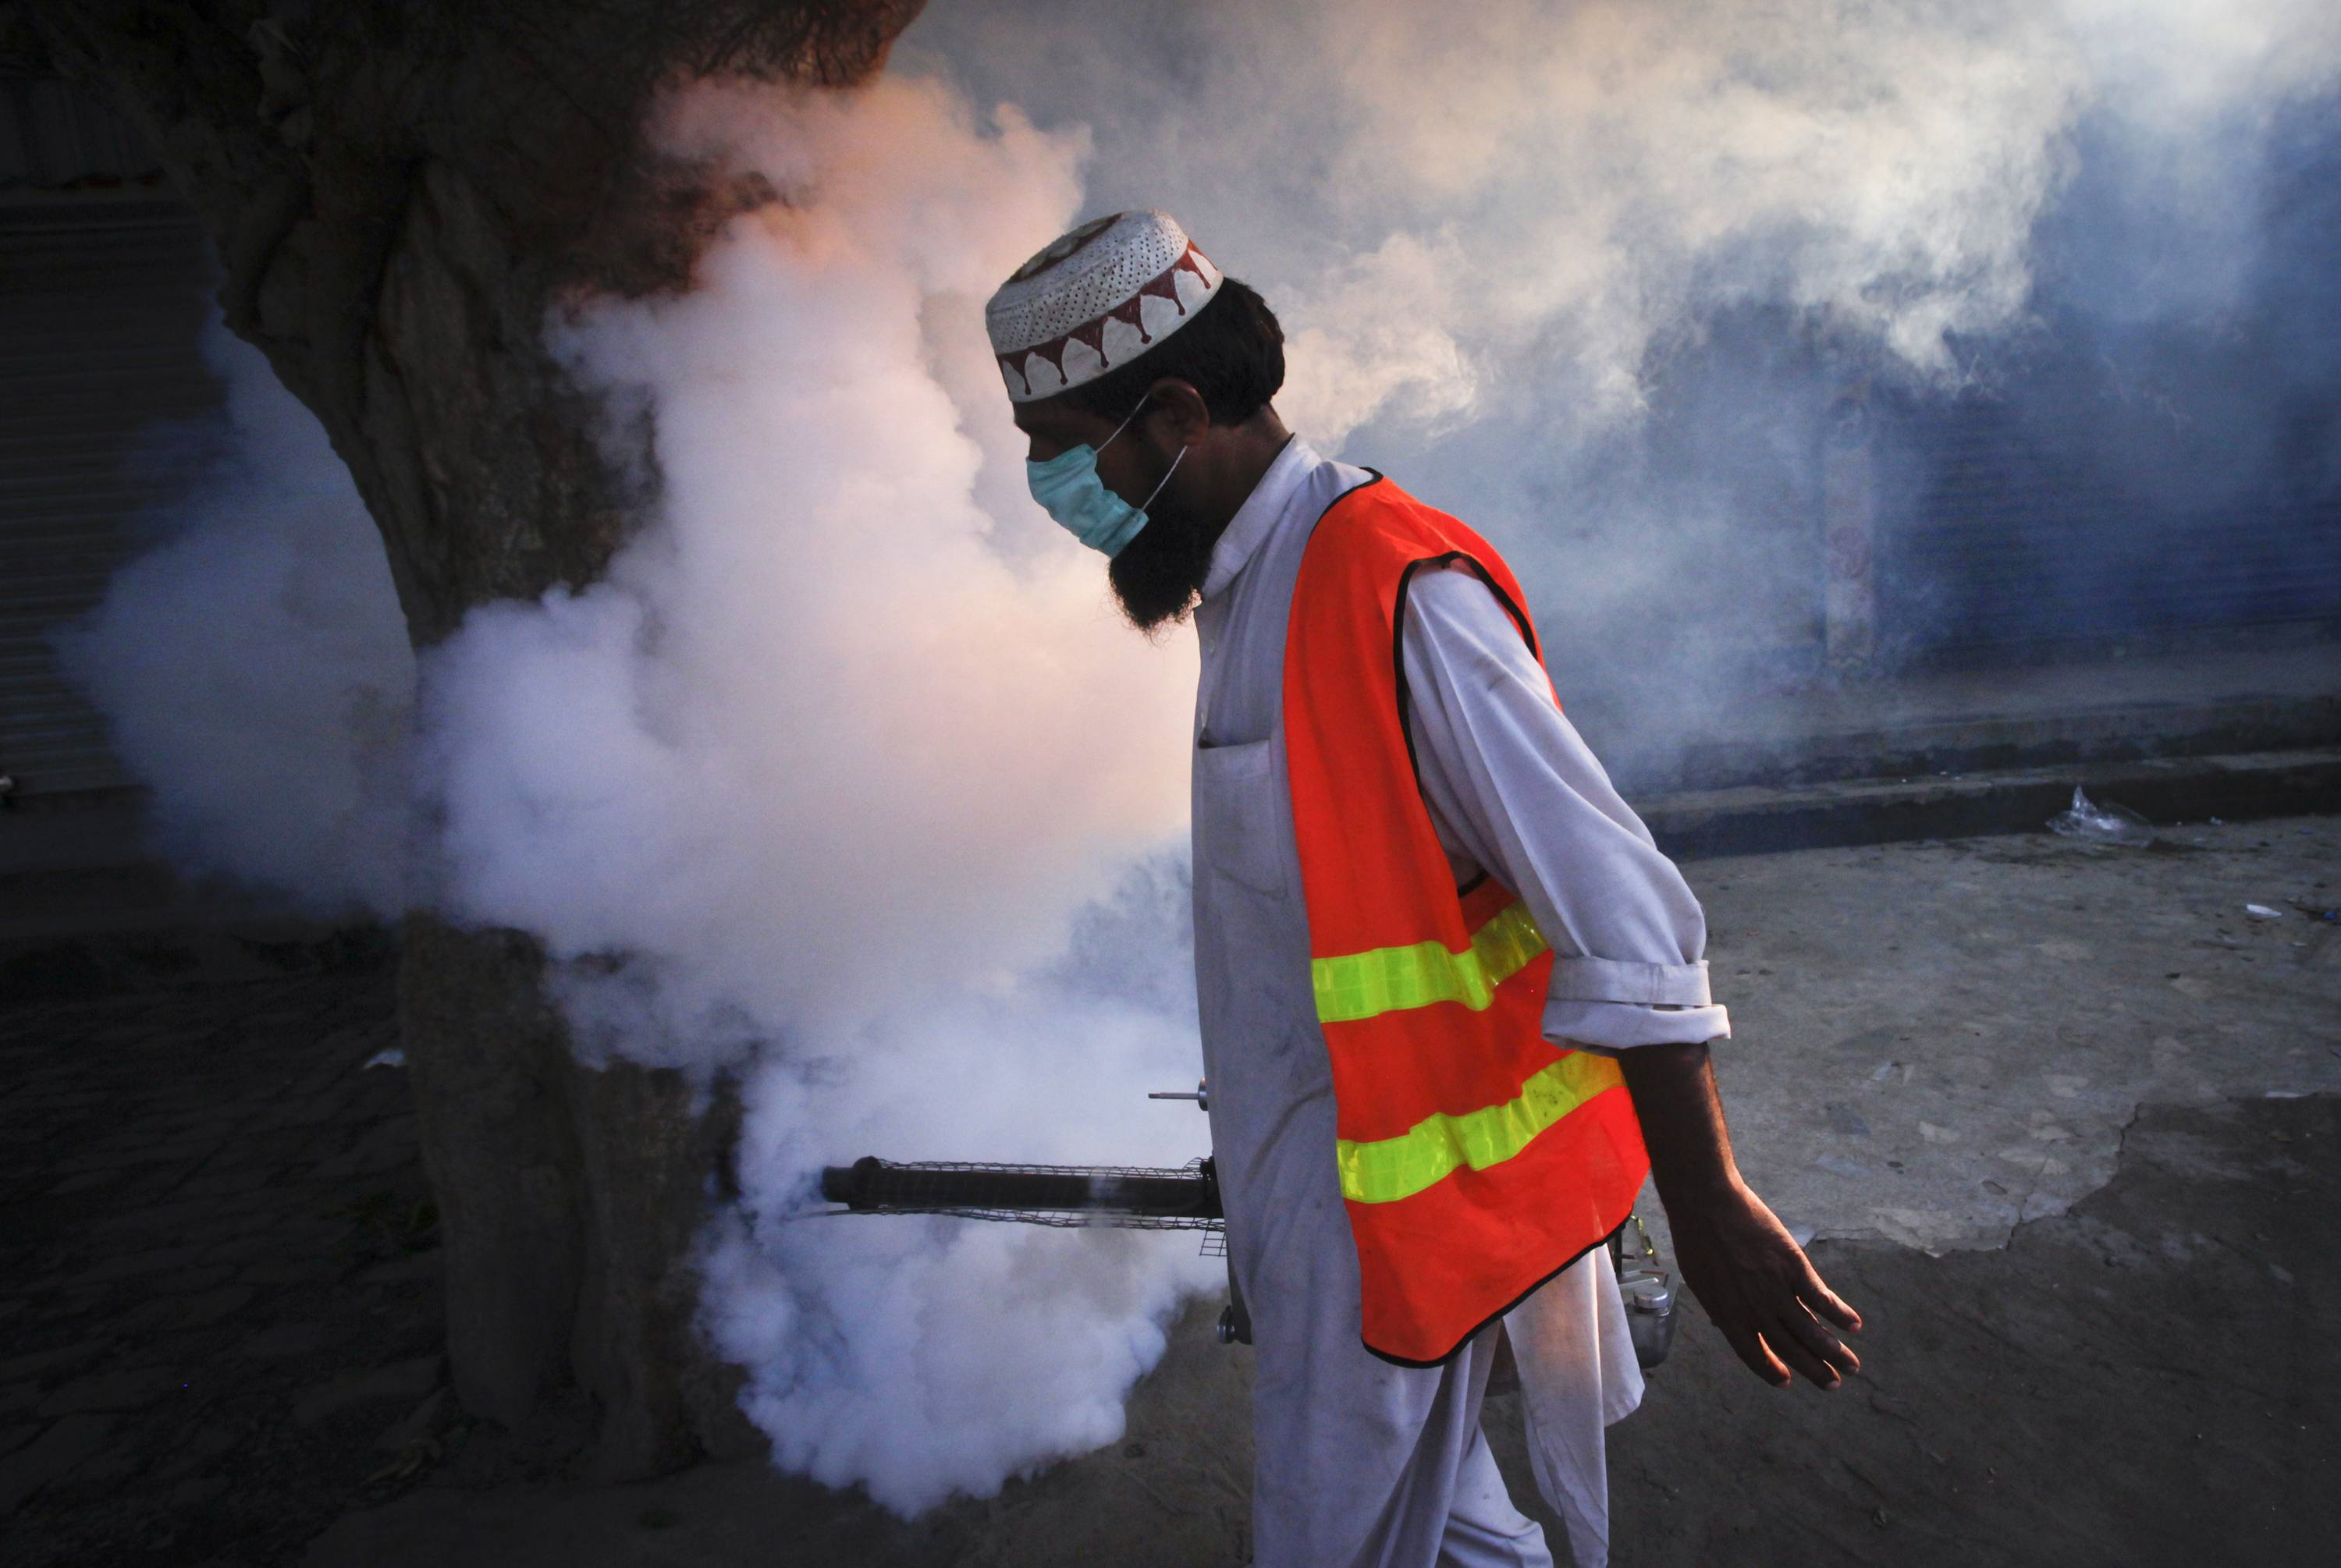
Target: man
point(1449, 992)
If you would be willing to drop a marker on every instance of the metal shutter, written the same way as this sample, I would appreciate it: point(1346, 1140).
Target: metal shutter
point(2016, 542)
point(102, 304)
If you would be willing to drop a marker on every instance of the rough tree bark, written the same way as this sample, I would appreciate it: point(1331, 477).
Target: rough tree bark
point(400, 192)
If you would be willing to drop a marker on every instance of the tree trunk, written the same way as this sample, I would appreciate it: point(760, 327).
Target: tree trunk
point(569, 1197)
point(401, 193)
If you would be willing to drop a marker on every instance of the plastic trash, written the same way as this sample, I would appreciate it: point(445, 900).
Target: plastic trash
point(2262, 912)
point(392, 1058)
point(2105, 824)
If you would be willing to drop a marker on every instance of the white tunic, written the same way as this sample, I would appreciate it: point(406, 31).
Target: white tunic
point(1358, 1460)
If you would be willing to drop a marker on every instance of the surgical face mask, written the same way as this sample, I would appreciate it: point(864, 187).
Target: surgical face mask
point(1068, 488)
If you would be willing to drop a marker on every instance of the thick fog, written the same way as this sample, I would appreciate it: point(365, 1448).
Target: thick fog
point(848, 779)
point(251, 664)
point(1604, 278)
point(837, 760)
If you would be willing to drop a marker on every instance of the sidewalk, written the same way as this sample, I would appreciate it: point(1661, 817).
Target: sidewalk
point(2275, 692)
point(2246, 732)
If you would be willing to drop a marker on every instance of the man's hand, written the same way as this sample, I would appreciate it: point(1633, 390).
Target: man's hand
point(1760, 1289)
point(1736, 1256)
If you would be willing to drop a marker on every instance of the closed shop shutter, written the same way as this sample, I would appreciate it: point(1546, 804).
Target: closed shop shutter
point(2015, 540)
point(102, 304)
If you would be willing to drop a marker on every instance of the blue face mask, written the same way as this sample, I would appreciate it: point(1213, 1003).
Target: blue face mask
point(1068, 488)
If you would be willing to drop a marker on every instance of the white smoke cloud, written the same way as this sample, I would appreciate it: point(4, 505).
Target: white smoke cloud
point(1453, 203)
point(1501, 237)
point(1519, 199)
point(840, 778)
point(836, 769)
point(254, 667)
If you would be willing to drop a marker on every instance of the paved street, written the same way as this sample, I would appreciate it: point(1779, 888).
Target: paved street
point(2064, 1116)
point(218, 1292)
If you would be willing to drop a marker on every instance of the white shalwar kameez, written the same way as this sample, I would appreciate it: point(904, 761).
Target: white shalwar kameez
point(1358, 1462)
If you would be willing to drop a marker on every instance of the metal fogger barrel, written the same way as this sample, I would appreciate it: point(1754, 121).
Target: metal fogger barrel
point(1127, 1197)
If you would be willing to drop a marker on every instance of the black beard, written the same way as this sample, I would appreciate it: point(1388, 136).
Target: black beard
point(1158, 575)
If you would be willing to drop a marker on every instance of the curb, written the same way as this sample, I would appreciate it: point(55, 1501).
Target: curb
point(1757, 819)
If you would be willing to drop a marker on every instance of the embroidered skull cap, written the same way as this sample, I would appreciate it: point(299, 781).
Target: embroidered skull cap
point(1094, 300)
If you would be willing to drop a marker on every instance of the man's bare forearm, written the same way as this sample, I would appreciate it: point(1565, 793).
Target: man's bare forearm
point(1737, 1258)
point(1675, 1098)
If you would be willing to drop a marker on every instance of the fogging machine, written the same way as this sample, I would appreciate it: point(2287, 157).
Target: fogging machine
point(1137, 1198)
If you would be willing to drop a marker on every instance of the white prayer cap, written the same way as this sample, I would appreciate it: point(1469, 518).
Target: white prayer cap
point(1094, 300)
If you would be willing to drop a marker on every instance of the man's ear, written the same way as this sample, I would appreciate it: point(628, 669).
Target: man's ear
point(1176, 413)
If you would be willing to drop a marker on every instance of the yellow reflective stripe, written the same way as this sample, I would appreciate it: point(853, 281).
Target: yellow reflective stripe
point(1387, 1169)
point(1361, 985)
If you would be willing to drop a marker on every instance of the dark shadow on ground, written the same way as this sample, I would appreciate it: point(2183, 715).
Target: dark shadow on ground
point(2148, 1379)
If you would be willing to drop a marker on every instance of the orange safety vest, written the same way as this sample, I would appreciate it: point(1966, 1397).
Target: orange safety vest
point(1477, 1159)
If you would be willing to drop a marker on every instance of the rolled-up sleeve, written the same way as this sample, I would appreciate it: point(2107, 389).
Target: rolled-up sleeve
point(1512, 788)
